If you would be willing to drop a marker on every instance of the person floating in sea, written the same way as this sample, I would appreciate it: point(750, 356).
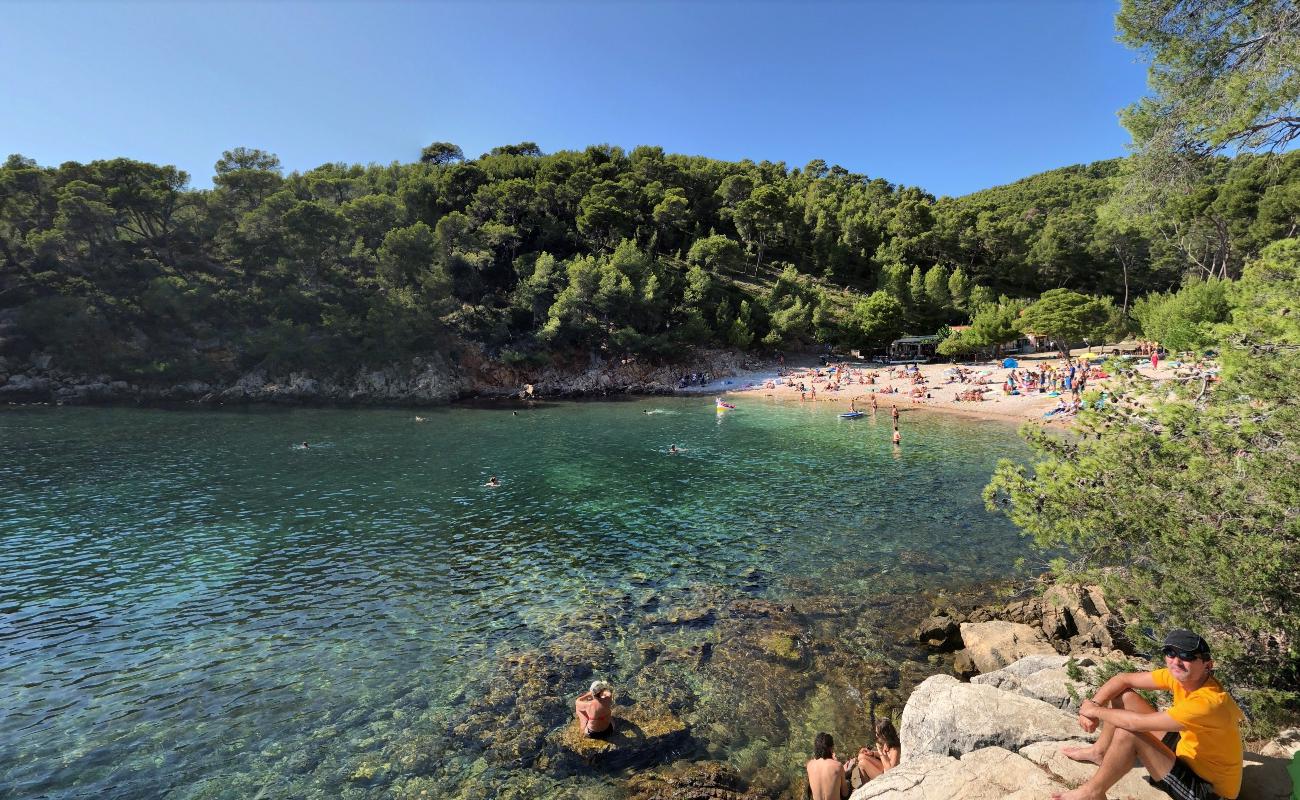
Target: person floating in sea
point(493, 482)
point(672, 448)
point(594, 710)
point(1200, 754)
point(304, 446)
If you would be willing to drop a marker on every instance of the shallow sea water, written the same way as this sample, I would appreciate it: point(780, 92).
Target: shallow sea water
point(190, 600)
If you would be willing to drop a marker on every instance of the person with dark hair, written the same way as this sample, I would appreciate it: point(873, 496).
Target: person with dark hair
point(825, 773)
point(886, 755)
point(1200, 754)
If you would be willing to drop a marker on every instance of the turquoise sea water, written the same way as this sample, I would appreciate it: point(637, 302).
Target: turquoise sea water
point(190, 598)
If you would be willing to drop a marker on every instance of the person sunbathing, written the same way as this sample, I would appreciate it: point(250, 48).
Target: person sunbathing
point(594, 710)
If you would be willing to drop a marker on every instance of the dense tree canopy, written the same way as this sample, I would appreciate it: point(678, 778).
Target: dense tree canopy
point(599, 249)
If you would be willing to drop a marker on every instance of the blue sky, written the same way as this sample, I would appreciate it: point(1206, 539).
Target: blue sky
point(950, 96)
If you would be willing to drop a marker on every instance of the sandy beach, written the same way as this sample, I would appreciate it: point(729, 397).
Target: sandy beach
point(941, 388)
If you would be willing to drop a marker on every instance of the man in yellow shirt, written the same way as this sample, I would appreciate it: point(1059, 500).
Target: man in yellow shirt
point(1201, 726)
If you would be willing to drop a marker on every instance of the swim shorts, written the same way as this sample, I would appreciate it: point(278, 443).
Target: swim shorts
point(1183, 783)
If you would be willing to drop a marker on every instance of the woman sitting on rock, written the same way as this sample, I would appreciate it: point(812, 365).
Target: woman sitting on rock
point(594, 709)
point(871, 764)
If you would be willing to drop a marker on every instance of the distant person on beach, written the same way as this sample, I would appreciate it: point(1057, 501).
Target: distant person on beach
point(594, 710)
point(874, 763)
point(1200, 754)
point(825, 773)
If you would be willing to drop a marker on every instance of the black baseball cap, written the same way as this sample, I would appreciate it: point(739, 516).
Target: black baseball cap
point(1187, 641)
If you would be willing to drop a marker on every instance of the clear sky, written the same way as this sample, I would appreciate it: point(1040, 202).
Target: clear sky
point(950, 95)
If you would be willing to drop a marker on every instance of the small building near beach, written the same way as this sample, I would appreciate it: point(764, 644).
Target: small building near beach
point(910, 349)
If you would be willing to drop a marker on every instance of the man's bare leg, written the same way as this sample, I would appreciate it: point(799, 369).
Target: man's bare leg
point(1124, 747)
point(1093, 753)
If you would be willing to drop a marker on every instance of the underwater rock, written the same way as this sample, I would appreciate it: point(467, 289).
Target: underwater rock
point(640, 737)
point(708, 780)
point(940, 632)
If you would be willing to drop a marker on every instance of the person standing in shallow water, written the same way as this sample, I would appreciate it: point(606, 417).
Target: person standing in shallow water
point(825, 773)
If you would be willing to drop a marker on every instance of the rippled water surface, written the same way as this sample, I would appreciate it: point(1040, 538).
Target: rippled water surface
point(188, 598)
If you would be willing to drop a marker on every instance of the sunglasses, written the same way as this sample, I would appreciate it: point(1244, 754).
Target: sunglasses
point(1184, 655)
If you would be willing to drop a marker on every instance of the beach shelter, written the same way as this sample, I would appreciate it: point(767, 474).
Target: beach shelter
point(1010, 362)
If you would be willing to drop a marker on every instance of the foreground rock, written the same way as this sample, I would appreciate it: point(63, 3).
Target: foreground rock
point(1001, 737)
point(991, 773)
point(1073, 773)
point(947, 717)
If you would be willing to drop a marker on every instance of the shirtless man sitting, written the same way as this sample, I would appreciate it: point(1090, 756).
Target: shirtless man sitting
point(1201, 726)
point(825, 773)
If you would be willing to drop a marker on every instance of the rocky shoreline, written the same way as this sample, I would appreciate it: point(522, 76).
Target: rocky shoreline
point(994, 733)
point(423, 381)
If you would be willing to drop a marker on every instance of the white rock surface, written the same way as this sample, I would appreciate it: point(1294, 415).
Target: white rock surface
point(946, 717)
point(1040, 677)
point(990, 773)
point(1072, 773)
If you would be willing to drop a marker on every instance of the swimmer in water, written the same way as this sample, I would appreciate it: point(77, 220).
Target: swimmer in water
point(898, 437)
point(672, 448)
point(419, 419)
point(493, 482)
point(303, 446)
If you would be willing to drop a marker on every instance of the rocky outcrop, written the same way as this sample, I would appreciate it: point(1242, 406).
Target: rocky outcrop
point(429, 380)
point(995, 739)
point(993, 645)
point(1041, 677)
point(947, 717)
point(1074, 618)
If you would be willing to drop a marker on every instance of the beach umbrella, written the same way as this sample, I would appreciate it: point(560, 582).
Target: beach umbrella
point(1010, 362)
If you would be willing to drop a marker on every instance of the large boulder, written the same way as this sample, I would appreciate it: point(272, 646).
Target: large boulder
point(1132, 786)
point(1093, 624)
point(947, 717)
point(993, 645)
point(1040, 677)
point(990, 773)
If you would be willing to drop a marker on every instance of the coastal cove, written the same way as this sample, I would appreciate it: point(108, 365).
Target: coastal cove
point(197, 606)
